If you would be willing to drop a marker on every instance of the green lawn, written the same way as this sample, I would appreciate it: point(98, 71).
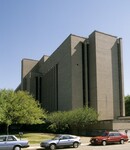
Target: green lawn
point(36, 138)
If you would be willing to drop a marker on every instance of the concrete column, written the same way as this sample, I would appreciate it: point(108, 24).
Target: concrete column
point(121, 78)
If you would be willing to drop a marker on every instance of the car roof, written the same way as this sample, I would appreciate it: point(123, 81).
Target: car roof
point(113, 132)
point(6, 135)
point(65, 135)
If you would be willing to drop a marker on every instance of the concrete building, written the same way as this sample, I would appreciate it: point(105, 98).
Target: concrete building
point(81, 72)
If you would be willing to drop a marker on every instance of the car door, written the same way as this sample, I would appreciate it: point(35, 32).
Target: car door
point(11, 142)
point(110, 138)
point(3, 143)
point(117, 137)
point(64, 141)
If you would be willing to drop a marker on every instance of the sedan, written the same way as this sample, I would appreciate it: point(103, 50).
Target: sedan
point(11, 142)
point(109, 137)
point(61, 141)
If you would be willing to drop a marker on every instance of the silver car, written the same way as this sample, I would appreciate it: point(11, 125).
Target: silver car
point(61, 141)
point(11, 142)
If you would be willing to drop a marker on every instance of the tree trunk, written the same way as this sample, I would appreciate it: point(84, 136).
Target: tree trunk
point(7, 129)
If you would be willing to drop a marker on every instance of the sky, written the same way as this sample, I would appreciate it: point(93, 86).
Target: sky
point(33, 28)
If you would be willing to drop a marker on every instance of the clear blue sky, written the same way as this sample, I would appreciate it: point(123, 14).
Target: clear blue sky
point(33, 28)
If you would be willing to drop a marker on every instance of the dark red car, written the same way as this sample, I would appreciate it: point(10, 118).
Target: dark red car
point(109, 137)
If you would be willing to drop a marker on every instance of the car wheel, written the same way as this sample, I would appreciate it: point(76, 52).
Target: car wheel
point(52, 147)
point(17, 148)
point(122, 141)
point(104, 143)
point(75, 144)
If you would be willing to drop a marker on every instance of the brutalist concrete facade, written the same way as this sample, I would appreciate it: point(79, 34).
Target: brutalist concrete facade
point(81, 71)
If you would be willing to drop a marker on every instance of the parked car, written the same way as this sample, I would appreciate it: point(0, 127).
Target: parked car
point(61, 141)
point(109, 137)
point(11, 142)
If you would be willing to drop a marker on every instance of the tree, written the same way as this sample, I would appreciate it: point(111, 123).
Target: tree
point(82, 117)
point(19, 108)
point(58, 120)
point(78, 118)
point(127, 105)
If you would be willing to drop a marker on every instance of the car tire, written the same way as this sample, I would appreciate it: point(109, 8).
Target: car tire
point(104, 143)
point(122, 141)
point(75, 144)
point(17, 148)
point(52, 147)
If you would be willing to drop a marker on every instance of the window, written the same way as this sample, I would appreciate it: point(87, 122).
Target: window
point(11, 138)
point(3, 138)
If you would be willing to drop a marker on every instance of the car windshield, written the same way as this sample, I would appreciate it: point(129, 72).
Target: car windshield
point(56, 138)
point(104, 134)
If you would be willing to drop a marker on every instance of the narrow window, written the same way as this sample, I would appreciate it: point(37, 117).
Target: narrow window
point(36, 88)
point(40, 89)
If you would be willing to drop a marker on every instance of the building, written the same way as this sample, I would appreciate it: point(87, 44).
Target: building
point(81, 72)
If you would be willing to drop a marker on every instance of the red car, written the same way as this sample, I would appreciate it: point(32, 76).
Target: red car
point(109, 137)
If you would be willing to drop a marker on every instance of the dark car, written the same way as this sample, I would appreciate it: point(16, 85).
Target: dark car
point(61, 141)
point(11, 142)
point(109, 137)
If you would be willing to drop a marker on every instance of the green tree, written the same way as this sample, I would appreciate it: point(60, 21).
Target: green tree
point(127, 105)
point(78, 118)
point(19, 108)
point(58, 120)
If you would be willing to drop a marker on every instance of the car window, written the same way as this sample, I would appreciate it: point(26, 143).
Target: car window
point(11, 138)
point(71, 137)
point(3, 138)
point(105, 134)
point(56, 138)
point(111, 134)
point(64, 137)
point(117, 134)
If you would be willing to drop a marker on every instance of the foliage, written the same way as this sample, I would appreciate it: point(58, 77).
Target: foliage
point(19, 108)
point(127, 105)
point(78, 118)
point(58, 121)
point(82, 117)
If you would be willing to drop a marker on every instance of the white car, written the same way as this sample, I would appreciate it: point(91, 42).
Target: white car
point(11, 142)
point(61, 141)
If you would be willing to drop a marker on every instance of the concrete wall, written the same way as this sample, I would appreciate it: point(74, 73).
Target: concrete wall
point(121, 124)
point(77, 71)
point(92, 72)
point(104, 75)
point(26, 67)
point(58, 84)
point(104, 48)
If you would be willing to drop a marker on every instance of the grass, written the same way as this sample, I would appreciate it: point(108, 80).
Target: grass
point(36, 138)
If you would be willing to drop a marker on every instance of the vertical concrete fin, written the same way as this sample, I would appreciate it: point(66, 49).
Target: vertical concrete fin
point(121, 77)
